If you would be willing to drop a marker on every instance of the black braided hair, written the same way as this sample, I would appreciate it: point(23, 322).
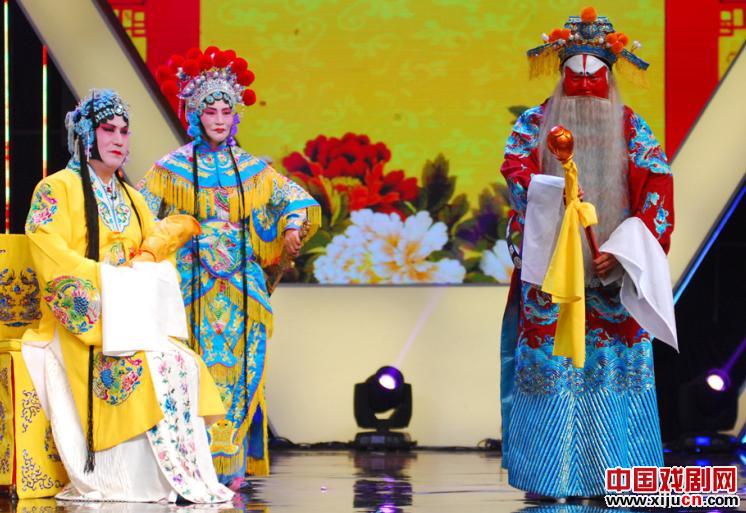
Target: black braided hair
point(90, 205)
point(92, 252)
point(90, 458)
point(196, 263)
point(244, 262)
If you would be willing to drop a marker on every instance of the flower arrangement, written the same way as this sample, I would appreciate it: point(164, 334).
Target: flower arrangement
point(383, 227)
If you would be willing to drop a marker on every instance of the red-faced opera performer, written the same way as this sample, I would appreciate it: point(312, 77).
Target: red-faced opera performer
point(578, 386)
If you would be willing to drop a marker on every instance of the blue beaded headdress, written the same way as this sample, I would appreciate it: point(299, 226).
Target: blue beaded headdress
point(106, 105)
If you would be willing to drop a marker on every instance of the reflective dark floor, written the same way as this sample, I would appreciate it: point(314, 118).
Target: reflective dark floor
point(332, 481)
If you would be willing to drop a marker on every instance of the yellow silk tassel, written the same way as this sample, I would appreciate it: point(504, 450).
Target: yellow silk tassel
point(565, 279)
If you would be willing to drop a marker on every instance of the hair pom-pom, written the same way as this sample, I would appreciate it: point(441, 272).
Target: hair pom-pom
point(220, 59)
point(231, 54)
point(193, 53)
point(246, 78)
point(194, 131)
point(588, 15)
point(565, 34)
point(211, 51)
point(175, 62)
point(239, 65)
point(623, 39)
point(554, 35)
point(191, 67)
point(163, 73)
point(617, 47)
point(249, 97)
point(612, 38)
point(170, 88)
point(205, 62)
point(194, 127)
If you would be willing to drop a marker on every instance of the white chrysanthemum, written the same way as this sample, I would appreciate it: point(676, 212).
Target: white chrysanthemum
point(345, 261)
point(380, 248)
point(497, 262)
point(400, 256)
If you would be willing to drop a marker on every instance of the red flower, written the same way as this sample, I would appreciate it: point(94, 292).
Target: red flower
point(355, 165)
point(382, 192)
point(296, 163)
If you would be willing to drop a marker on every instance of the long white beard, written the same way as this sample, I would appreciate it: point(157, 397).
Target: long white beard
point(597, 125)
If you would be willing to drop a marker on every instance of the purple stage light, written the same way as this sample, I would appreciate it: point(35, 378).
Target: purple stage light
point(718, 380)
point(389, 378)
point(387, 381)
point(702, 441)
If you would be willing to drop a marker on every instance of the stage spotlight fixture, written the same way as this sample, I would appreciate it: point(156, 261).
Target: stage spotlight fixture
point(718, 380)
point(708, 404)
point(382, 392)
point(708, 443)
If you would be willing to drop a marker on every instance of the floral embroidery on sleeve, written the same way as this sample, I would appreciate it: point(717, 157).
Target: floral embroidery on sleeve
point(75, 302)
point(43, 207)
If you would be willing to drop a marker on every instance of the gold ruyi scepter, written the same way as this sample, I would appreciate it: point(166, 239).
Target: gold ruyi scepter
point(564, 279)
point(286, 261)
point(561, 143)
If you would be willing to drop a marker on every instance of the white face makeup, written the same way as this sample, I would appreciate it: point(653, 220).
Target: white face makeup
point(112, 140)
point(585, 64)
point(217, 120)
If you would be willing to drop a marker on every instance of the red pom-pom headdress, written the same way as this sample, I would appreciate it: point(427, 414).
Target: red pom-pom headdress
point(196, 79)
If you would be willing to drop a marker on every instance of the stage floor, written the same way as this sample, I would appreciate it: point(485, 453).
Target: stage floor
point(341, 481)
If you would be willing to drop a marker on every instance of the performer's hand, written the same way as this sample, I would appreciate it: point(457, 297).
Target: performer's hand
point(581, 195)
point(604, 264)
point(292, 243)
point(142, 257)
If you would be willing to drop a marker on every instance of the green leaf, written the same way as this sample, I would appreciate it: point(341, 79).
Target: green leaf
point(407, 208)
point(453, 212)
point(478, 277)
point(438, 187)
point(341, 215)
point(319, 240)
point(472, 264)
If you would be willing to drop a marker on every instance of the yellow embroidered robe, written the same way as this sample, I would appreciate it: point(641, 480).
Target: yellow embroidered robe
point(124, 400)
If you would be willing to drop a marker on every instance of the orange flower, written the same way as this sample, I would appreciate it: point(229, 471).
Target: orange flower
point(588, 15)
point(612, 38)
